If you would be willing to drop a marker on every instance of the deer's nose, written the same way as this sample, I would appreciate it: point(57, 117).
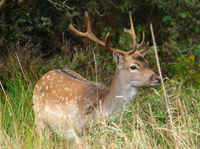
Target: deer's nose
point(155, 79)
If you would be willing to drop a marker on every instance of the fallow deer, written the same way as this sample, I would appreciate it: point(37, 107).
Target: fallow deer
point(64, 101)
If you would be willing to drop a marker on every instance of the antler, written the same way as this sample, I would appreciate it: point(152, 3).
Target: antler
point(131, 31)
point(90, 35)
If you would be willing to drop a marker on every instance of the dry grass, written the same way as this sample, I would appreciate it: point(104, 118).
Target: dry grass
point(145, 124)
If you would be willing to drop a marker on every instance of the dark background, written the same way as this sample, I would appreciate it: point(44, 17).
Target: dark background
point(35, 35)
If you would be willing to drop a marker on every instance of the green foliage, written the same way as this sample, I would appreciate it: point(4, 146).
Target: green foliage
point(17, 99)
point(187, 66)
point(45, 24)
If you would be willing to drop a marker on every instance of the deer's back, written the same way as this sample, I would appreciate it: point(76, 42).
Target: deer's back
point(64, 87)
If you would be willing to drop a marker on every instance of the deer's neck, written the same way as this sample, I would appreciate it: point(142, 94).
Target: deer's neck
point(120, 94)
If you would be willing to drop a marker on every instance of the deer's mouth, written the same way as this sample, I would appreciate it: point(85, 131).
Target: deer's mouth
point(156, 81)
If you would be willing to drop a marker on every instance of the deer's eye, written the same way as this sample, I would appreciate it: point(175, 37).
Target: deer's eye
point(132, 67)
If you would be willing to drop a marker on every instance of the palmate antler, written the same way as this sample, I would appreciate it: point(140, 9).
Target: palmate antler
point(90, 35)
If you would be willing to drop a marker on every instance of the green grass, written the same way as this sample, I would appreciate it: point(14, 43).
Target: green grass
point(144, 125)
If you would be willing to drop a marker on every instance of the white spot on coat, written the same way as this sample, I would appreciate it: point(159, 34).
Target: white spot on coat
point(48, 77)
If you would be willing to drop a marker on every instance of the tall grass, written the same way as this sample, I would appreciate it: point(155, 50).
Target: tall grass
point(144, 125)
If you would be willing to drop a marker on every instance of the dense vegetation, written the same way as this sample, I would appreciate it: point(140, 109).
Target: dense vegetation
point(35, 39)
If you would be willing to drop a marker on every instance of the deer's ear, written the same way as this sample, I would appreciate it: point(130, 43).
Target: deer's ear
point(118, 58)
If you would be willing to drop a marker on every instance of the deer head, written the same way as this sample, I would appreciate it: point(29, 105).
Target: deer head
point(131, 63)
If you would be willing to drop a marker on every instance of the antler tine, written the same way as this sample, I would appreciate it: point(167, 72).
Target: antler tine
point(142, 42)
point(145, 49)
point(107, 38)
point(73, 29)
point(139, 45)
point(131, 31)
point(90, 35)
point(136, 46)
point(88, 22)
